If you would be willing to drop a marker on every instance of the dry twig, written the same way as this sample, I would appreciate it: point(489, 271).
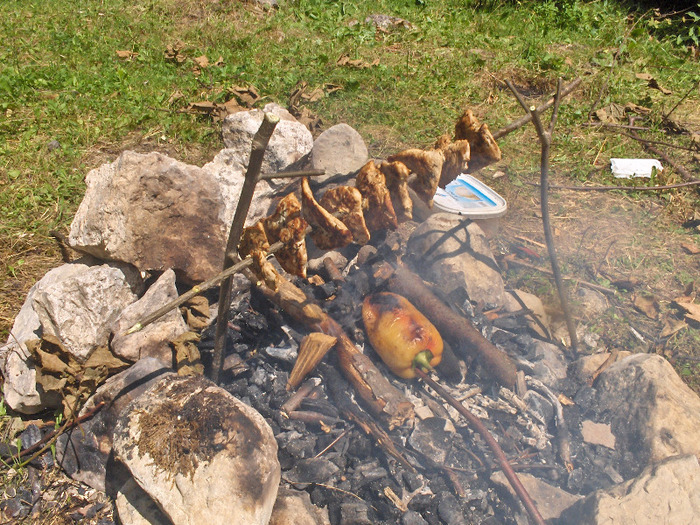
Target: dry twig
point(260, 141)
point(510, 474)
point(527, 118)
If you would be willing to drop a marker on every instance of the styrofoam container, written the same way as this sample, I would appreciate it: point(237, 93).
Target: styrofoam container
point(473, 199)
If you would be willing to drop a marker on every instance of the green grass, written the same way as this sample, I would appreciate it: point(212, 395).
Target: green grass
point(61, 79)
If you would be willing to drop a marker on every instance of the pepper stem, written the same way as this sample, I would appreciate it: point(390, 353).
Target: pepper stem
point(422, 360)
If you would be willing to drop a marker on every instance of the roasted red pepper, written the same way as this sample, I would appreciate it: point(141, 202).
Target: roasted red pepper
point(400, 334)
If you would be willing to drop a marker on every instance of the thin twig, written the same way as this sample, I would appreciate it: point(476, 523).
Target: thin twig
point(656, 151)
point(45, 443)
point(476, 423)
point(693, 182)
point(197, 290)
point(527, 118)
point(587, 284)
point(260, 141)
point(545, 137)
point(659, 142)
point(292, 174)
point(697, 83)
point(611, 125)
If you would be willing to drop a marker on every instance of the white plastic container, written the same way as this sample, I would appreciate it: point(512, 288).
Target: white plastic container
point(473, 199)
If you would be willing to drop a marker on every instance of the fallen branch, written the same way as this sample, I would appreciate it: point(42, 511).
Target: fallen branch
point(476, 423)
point(260, 141)
point(527, 118)
point(656, 151)
point(45, 443)
point(592, 286)
point(545, 136)
point(382, 399)
point(694, 182)
point(337, 388)
point(659, 142)
point(453, 327)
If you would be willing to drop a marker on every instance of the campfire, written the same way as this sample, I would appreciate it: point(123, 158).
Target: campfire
point(376, 370)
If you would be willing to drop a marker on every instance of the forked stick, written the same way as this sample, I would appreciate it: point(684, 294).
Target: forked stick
point(545, 136)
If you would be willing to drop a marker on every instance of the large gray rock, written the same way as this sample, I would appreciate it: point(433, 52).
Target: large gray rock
point(19, 386)
point(665, 493)
point(80, 309)
point(652, 412)
point(289, 143)
point(338, 150)
point(153, 340)
point(202, 455)
point(84, 451)
point(226, 169)
point(155, 213)
point(454, 253)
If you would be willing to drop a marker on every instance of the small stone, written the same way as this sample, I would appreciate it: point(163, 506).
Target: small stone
point(449, 510)
point(591, 302)
point(313, 470)
point(290, 141)
point(154, 339)
point(412, 518)
point(338, 150)
point(597, 434)
point(354, 513)
point(80, 310)
point(53, 145)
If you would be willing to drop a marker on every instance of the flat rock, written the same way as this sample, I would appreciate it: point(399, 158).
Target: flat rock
point(597, 434)
point(225, 470)
point(153, 340)
point(338, 150)
point(153, 212)
point(664, 493)
point(454, 253)
point(290, 141)
point(294, 507)
point(84, 452)
point(79, 310)
point(550, 501)
point(652, 412)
